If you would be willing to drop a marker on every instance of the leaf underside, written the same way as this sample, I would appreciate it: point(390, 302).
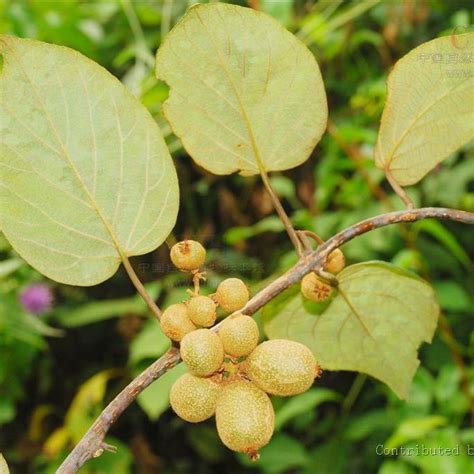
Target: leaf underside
point(374, 325)
point(429, 111)
point(85, 176)
point(245, 94)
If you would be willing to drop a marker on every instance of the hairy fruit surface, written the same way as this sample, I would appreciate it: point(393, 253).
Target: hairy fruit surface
point(202, 352)
point(188, 255)
point(314, 288)
point(202, 311)
point(232, 294)
point(239, 335)
point(194, 398)
point(282, 367)
point(175, 322)
point(244, 417)
point(336, 261)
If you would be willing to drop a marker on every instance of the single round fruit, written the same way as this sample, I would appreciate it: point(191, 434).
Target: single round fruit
point(202, 311)
point(336, 261)
point(239, 335)
point(194, 398)
point(232, 294)
point(202, 352)
point(175, 322)
point(188, 255)
point(244, 417)
point(314, 288)
point(282, 367)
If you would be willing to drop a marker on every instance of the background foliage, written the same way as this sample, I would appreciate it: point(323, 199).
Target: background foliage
point(53, 384)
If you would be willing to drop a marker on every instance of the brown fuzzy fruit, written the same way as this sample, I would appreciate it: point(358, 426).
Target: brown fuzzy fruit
point(188, 255)
point(336, 261)
point(244, 417)
point(202, 311)
point(232, 294)
point(314, 288)
point(175, 322)
point(282, 367)
point(239, 335)
point(202, 352)
point(194, 398)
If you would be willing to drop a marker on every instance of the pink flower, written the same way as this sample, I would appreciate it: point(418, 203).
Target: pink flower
point(37, 298)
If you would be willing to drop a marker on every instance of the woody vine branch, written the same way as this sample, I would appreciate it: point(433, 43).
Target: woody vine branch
point(92, 443)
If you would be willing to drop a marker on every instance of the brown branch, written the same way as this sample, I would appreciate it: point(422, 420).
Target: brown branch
point(92, 443)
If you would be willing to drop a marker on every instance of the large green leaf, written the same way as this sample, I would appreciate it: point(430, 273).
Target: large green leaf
point(85, 176)
point(246, 95)
point(429, 111)
point(374, 324)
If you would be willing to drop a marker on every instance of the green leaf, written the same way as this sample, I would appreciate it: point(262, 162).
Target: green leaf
point(414, 428)
point(245, 94)
point(85, 176)
point(428, 114)
point(151, 342)
point(154, 400)
point(374, 324)
point(303, 403)
point(106, 309)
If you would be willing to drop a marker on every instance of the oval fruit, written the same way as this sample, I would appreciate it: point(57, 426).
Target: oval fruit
point(202, 311)
point(315, 289)
point(194, 398)
point(202, 352)
point(188, 255)
point(232, 294)
point(282, 367)
point(336, 261)
point(239, 335)
point(244, 417)
point(175, 322)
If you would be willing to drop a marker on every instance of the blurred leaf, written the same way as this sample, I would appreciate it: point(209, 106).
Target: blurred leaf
point(86, 184)
point(87, 403)
point(395, 467)
point(7, 410)
point(363, 426)
point(428, 114)
point(206, 442)
point(450, 398)
point(330, 457)
point(151, 342)
point(414, 428)
point(283, 453)
point(430, 460)
point(452, 296)
point(226, 89)
point(101, 310)
point(119, 462)
point(56, 442)
point(238, 234)
point(437, 230)
point(280, 10)
point(303, 403)
point(375, 323)
point(9, 266)
point(154, 400)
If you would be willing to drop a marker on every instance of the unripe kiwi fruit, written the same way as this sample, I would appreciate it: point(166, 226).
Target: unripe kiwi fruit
point(336, 261)
point(232, 294)
point(239, 335)
point(202, 352)
point(202, 310)
point(188, 255)
point(314, 288)
point(194, 398)
point(175, 322)
point(282, 367)
point(244, 417)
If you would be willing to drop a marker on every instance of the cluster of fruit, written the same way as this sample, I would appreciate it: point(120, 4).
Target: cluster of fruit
point(230, 375)
point(314, 287)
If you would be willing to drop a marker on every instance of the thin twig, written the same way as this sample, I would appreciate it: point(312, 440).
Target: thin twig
point(140, 288)
point(281, 213)
point(94, 438)
point(402, 194)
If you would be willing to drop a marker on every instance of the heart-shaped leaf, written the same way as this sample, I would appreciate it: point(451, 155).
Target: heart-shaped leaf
point(429, 111)
point(85, 176)
point(375, 324)
point(245, 94)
